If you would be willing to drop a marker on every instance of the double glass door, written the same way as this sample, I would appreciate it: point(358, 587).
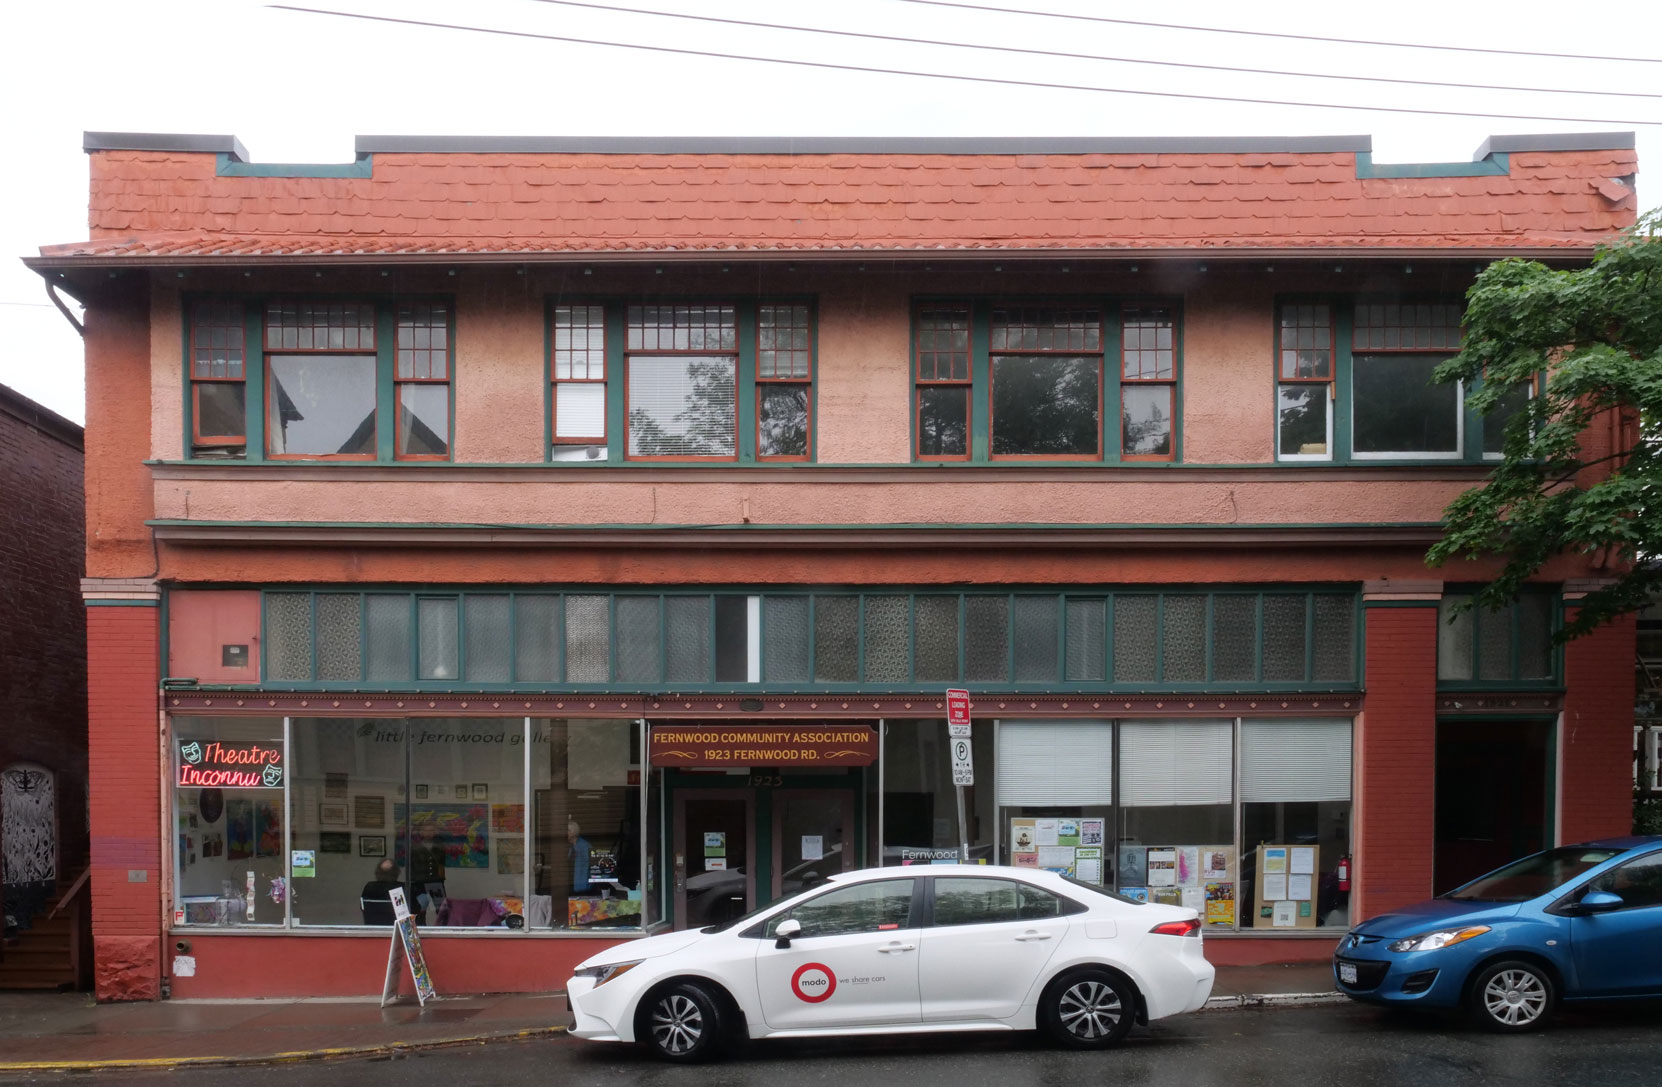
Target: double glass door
point(724, 836)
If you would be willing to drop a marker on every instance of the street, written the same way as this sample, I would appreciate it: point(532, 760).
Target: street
point(1288, 1047)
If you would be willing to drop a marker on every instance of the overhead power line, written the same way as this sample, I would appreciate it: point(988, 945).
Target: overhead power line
point(1278, 34)
point(1062, 55)
point(994, 80)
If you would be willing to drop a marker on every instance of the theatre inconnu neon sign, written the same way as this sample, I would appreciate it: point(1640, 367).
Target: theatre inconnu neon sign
point(231, 764)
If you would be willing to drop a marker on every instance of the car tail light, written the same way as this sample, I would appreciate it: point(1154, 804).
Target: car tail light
point(1191, 927)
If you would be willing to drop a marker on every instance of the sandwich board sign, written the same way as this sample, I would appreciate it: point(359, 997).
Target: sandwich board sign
point(404, 932)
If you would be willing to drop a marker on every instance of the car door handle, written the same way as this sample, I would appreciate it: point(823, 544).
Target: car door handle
point(898, 947)
point(1027, 936)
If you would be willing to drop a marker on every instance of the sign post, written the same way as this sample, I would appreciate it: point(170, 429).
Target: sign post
point(963, 763)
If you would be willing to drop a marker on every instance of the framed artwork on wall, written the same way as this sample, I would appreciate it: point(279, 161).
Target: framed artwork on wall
point(332, 813)
point(372, 845)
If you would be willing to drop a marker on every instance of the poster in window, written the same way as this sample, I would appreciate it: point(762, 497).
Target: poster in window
point(1133, 866)
point(268, 829)
point(1188, 866)
point(239, 828)
point(1087, 864)
point(1162, 870)
point(1135, 894)
point(1091, 832)
point(1220, 904)
point(1023, 837)
point(1046, 831)
point(1217, 862)
point(1067, 832)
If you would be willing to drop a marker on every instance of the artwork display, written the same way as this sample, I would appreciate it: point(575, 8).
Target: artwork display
point(332, 813)
point(268, 828)
point(508, 818)
point(510, 856)
point(334, 841)
point(460, 831)
point(369, 812)
point(481, 790)
point(421, 792)
point(239, 828)
point(372, 845)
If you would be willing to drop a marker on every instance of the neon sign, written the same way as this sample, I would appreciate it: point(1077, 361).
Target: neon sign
point(231, 765)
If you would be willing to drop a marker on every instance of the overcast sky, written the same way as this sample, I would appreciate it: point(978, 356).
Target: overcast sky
point(298, 87)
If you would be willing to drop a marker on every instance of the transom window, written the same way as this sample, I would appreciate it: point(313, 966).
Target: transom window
point(320, 379)
point(998, 381)
point(1513, 645)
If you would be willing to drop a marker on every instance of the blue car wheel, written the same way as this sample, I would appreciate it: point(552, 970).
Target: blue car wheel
point(1511, 996)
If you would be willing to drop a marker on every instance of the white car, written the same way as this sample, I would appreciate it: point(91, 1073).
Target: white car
point(900, 951)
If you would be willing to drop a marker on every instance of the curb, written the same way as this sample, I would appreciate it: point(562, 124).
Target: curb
point(291, 1057)
point(1272, 1000)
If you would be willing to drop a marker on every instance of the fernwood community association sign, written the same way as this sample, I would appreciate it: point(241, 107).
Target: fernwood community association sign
point(702, 745)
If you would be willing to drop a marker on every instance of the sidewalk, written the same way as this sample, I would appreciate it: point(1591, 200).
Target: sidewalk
point(68, 1032)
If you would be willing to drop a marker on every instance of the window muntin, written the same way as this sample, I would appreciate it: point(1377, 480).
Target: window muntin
point(579, 382)
point(942, 351)
point(1045, 369)
point(878, 906)
point(784, 380)
point(218, 379)
point(1148, 382)
point(1305, 367)
point(422, 381)
point(681, 375)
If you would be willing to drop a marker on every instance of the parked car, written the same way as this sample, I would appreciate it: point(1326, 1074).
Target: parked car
point(902, 950)
point(1580, 922)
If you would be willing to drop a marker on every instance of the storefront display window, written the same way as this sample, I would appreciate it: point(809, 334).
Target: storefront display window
point(1295, 823)
point(312, 822)
point(228, 787)
point(920, 805)
point(1176, 816)
point(1056, 795)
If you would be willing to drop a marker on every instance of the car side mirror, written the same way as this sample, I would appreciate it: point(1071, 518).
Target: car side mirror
point(1600, 902)
point(787, 931)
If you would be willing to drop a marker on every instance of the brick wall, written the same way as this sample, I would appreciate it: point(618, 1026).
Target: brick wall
point(43, 706)
point(1596, 784)
point(122, 651)
point(1395, 775)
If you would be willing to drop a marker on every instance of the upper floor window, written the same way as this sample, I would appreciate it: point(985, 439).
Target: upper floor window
point(320, 380)
point(1021, 381)
point(682, 381)
point(1354, 382)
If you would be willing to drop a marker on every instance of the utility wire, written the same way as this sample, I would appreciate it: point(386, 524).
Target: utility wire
point(941, 75)
point(1275, 34)
point(1087, 56)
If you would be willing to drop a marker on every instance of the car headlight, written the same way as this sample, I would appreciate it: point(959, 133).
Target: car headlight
point(1443, 937)
point(607, 971)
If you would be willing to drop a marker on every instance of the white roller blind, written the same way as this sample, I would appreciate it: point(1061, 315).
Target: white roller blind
point(1055, 762)
point(580, 409)
point(1166, 763)
point(1295, 761)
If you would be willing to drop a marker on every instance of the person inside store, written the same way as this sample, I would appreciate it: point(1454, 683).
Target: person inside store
point(426, 872)
point(376, 898)
point(580, 883)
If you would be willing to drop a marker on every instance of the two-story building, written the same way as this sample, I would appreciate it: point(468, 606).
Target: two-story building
point(593, 528)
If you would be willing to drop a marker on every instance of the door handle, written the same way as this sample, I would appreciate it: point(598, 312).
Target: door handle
point(1029, 936)
point(898, 947)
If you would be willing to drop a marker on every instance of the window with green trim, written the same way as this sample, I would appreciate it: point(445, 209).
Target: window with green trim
point(314, 379)
point(687, 381)
point(1090, 639)
point(1512, 645)
point(1028, 381)
point(1354, 383)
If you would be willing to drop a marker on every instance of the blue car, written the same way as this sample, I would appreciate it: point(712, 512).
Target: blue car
point(1581, 922)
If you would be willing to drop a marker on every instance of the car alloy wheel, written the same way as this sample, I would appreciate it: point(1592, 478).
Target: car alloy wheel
point(684, 1024)
point(1511, 996)
point(1088, 1010)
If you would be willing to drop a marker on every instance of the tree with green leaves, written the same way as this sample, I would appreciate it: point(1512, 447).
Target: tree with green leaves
point(1589, 342)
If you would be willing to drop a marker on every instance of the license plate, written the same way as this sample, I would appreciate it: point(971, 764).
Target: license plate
point(1347, 973)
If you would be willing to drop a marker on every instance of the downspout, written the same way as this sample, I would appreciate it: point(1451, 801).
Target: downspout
point(52, 293)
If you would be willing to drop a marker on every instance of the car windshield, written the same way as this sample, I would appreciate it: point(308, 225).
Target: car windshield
point(1532, 877)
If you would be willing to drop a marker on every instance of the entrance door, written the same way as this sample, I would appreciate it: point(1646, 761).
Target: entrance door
point(715, 863)
point(813, 837)
point(1492, 792)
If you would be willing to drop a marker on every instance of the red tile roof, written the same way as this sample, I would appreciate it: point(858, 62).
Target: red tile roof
point(174, 204)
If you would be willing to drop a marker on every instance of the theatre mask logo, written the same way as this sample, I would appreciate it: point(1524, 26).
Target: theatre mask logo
point(273, 776)
point(191, 753)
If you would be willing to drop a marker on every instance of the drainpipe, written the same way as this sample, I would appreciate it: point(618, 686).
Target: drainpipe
point(52, 293)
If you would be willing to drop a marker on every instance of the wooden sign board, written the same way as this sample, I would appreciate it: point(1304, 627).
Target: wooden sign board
point(763, 744)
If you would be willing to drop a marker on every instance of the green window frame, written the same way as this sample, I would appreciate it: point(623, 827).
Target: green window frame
point(611, 368)
point(975, 360)
point(1091, 639)
point(1509, 648)
point(1343, 362)
point(246, 355)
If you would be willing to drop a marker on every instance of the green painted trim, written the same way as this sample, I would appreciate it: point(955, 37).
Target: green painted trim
point(747, 322)
point(253, 368)
point(228, 165)
point(1399, 603)
point(1112, 428)
point(617, 383)
point(1496, 163)
point(1344, 407)
point(122, 603)
point(981, 381)
point(386, 384)
point(876, 526)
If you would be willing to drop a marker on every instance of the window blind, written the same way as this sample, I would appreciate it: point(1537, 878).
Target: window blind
point(682, 406)
point(1285, 762)
point(1167, 763)
point(1048, 763)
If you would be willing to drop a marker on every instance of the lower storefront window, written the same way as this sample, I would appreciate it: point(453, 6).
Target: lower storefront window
point(1056, 795)
point(920, 804)
point(505, 824)
point(1295, 823)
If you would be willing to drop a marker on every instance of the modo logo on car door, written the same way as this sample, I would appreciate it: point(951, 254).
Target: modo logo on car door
point(813, 982)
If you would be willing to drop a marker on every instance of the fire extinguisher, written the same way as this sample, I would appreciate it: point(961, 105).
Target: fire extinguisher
point(1344, 873)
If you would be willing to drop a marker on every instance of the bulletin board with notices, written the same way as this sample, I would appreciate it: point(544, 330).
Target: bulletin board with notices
point(1069, 847)
point(1285, 894)
point(1201, 877)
